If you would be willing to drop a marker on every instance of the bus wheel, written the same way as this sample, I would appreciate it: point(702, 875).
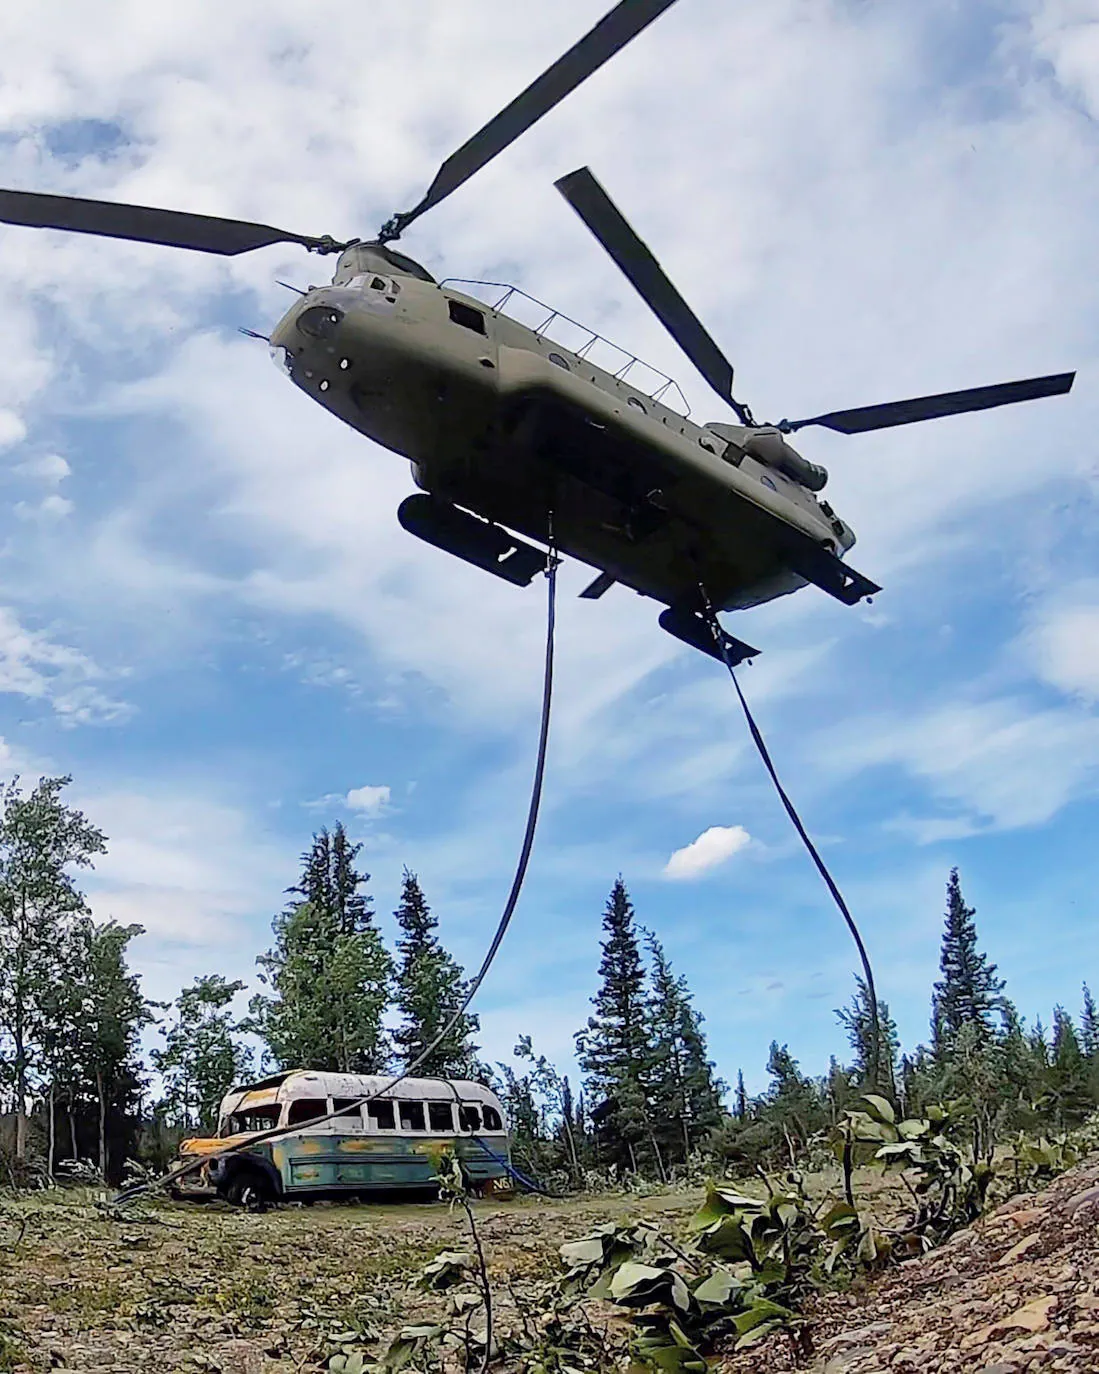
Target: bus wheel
point(249, 1189)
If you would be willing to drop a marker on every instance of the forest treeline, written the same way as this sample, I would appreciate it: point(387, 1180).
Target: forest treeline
point(77, 1084)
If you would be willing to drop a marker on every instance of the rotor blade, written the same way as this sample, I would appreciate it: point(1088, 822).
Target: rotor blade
point(611, 34)
point(174, 228)
point(603, 218)
point(864, 418)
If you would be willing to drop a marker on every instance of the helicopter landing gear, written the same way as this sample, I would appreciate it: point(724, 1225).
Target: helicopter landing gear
point(476, 541)
point(694, 629)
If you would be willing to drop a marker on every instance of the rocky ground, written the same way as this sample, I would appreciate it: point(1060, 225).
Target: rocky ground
point(1017, 1291)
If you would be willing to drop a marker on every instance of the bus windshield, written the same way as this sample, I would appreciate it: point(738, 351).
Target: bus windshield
point(252, 1119)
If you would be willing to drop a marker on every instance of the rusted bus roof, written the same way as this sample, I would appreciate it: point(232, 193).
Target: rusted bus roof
point(241, 1099)
point(299, 1083)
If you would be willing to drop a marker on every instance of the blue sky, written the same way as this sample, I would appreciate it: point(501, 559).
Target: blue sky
point(211, 618)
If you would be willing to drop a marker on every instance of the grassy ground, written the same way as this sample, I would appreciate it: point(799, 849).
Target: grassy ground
point(185, 1286)
point(200, 1286)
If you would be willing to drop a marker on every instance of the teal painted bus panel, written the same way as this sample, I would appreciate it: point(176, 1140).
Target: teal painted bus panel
point(327, 1163)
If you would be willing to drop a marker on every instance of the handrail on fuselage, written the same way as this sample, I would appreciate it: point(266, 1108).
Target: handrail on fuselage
point(667, 383)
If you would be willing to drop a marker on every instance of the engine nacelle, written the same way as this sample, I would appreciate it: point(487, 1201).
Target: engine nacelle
point(768, 446)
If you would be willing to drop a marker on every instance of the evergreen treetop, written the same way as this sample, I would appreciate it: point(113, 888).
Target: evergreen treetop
point(857, 1021)
point(329, 971)
point(969, 991)
point(331, 884)
point(614, 1045)
point(741, 1107)
point(1089, 1026)
point(431, 987)
point(686, 1100)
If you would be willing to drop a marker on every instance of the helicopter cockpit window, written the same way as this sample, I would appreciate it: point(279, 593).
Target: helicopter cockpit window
point(466, 316)
point(320, 321)
point(378, 283)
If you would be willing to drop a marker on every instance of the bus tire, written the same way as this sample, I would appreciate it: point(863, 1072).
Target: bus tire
point(248, 1188)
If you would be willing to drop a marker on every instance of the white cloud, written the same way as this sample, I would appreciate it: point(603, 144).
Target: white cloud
point(1067, 35)
point(35, 666)
point(713, 847)
point(50, 467)
point(12, 429)
point(1002, 763)
point(52, 507)
point(192, 869)
point(1063, 643)
point(372, 801)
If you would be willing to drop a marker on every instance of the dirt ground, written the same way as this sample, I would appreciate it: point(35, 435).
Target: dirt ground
point(201, 1286)
point(187, 1287)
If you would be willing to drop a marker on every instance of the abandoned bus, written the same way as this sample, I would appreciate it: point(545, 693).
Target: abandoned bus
point(390, 1142)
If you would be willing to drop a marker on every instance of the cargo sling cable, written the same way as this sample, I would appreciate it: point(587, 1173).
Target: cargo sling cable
point(129, 1194)
point(837, 896)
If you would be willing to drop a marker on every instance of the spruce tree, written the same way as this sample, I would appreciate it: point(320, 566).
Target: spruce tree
point(430, 988)
point(1089, 1027)
point(741, 1097)
point(1020, 1073)
point(793, 1104)
point(969, 990)
point(331, 884)
point(685, 1098)
point(856, 1020)
point(329, 970)
point(1068, 1073)
point(614, 1049)
point(1039, 1045)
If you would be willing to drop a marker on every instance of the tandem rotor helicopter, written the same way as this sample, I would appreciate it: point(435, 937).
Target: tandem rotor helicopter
point(510, 434)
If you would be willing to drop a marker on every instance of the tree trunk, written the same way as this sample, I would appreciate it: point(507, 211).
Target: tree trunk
point(72, 1124)
point(18, 1036)
point(658, 1156)
point(572, 1149)
point(51, 1133)
point(102, 1124)
point(20, 1130)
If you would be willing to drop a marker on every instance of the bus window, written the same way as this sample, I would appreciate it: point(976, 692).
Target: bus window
point(381, 1114)
point(351, 1120)
point(412, 1116)
point(253, 1119)
point(306, 1109)
point(470, 1117)
point(492, 1118)
point(440, 1117)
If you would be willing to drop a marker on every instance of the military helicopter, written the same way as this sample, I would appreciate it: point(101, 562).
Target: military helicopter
point(510, 434)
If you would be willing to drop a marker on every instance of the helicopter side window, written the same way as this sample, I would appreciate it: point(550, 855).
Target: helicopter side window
point(378, 284)
point(558, 361)
point(466, 316)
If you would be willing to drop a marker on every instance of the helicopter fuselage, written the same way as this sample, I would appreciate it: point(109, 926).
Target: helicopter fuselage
point(499, 420)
